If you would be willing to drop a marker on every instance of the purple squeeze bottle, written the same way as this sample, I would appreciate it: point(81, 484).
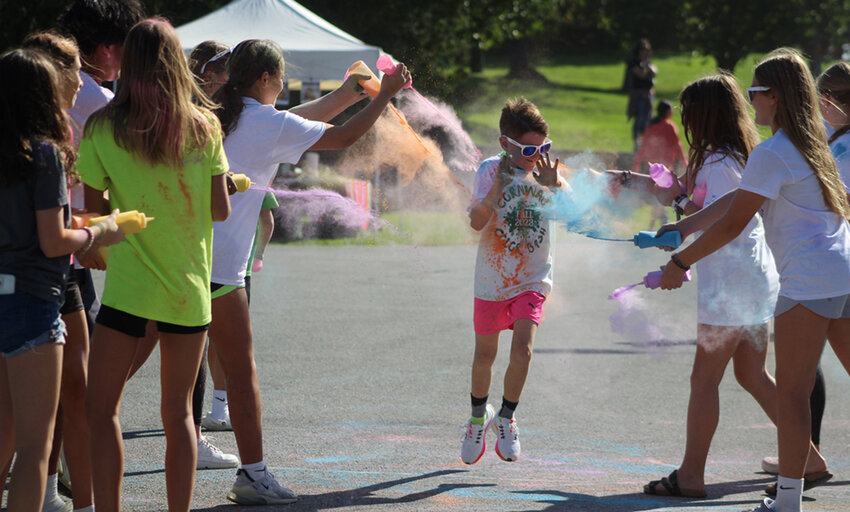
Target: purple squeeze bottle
point(653, 279)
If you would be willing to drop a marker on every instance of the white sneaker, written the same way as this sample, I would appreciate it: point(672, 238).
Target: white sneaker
point(210, 457)
point(64, 483)
point(475, 438)
point(770, 465)
point(215, 424)
point(507, 444)
point(265, 491)
point(57, 504)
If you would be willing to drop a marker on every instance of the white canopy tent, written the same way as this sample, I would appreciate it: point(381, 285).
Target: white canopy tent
point(313, 48)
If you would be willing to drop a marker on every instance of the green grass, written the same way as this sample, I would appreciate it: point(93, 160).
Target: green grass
point(582, 102)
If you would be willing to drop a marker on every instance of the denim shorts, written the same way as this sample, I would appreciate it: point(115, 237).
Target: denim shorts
point(27, 322)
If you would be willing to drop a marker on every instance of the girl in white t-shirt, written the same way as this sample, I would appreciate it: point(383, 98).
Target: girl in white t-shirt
point(737, 284)
point(834, 89)
point(793, 180)
point(257, 139)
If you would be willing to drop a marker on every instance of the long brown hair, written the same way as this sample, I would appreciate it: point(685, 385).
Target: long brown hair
point(249, 60)
point(785, 72)
point(30, 112)
point(152, 113)
point(716, 120)
point(835, 83)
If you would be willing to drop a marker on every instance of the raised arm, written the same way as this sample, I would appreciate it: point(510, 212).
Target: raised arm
point(332, 104)
point(340, 137)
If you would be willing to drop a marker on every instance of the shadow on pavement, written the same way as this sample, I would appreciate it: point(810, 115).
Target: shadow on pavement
point(363, 495)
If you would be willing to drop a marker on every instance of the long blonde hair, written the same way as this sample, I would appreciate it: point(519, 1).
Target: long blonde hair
point(785, 72)
point(716, 120)
point(152, 113)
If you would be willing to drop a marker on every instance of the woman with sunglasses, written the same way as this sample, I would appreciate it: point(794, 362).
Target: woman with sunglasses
point(257, 139)
point(737, 285)
point(793, 180)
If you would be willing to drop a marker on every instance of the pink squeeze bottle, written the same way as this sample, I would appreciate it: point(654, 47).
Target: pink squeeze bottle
point(662, 176)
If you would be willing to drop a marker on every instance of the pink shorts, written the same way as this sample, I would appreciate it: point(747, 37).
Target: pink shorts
point(491, 316)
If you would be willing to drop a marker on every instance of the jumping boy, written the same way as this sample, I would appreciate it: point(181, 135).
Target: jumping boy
point(513, 270)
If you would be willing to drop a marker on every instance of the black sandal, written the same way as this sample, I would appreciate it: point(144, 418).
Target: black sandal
point(671, 486)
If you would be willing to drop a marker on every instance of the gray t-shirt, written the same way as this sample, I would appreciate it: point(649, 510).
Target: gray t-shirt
point(20, 254)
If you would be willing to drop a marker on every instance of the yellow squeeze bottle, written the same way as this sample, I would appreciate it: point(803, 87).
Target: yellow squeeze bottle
point(242, 182)
point(129, 222)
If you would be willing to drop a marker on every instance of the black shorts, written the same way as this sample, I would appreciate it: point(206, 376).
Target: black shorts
point(73, 298)
point(134, 326)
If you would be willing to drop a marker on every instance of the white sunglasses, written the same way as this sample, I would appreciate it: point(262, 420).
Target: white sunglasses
point(529, 150)
point(751, 91)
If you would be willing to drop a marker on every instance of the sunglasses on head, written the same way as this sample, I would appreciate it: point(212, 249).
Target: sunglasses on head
point(217, 56)
point(751, 91)
point(529, 150)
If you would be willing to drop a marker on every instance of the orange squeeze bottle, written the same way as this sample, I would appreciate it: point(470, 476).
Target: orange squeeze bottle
point(372, 86)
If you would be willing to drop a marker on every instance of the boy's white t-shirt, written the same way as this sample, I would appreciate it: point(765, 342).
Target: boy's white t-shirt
point(737, 284)
point(515, 251)
point(264, 137)
point(810, 242)
point(840, 148)
point(91, 98)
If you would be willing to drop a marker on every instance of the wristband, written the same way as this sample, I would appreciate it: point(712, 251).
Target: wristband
point(89, 239)
point(626, 178)
point(678, 262)
point(679, 203)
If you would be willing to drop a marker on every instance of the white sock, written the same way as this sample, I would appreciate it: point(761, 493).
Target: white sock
point(90, 508)
point(51, 491)
point(256, 470)
point(219, 404)
point(789, 495)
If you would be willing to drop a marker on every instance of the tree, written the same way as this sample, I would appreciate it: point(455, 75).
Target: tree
point(728, 30)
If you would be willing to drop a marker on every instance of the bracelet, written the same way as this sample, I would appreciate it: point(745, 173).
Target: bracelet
point(679, 203)
point(678, 262)
point(89, 240)
point(626, 178)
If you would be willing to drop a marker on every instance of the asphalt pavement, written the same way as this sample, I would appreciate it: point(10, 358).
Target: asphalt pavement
point(364, 357)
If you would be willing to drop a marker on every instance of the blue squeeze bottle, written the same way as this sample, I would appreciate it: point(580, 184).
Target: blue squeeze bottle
point(646, 239)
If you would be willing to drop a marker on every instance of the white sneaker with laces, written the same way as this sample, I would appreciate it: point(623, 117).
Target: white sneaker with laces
point(210, 457)
point(475, 438)
point(507, 444)
point(57, 504)
point(215, 424)
point(265, 491)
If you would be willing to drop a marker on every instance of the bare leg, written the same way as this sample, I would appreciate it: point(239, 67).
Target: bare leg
point(521, 347)
point(799, 343)
point(230, 333)
point(29, 396)
point(73, 406)
point(112, 354)
point(144, 348)
point(181, 358)
point(486, 347)
point(715, 346)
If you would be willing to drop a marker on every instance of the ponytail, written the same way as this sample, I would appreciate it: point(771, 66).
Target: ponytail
point(249, 60)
